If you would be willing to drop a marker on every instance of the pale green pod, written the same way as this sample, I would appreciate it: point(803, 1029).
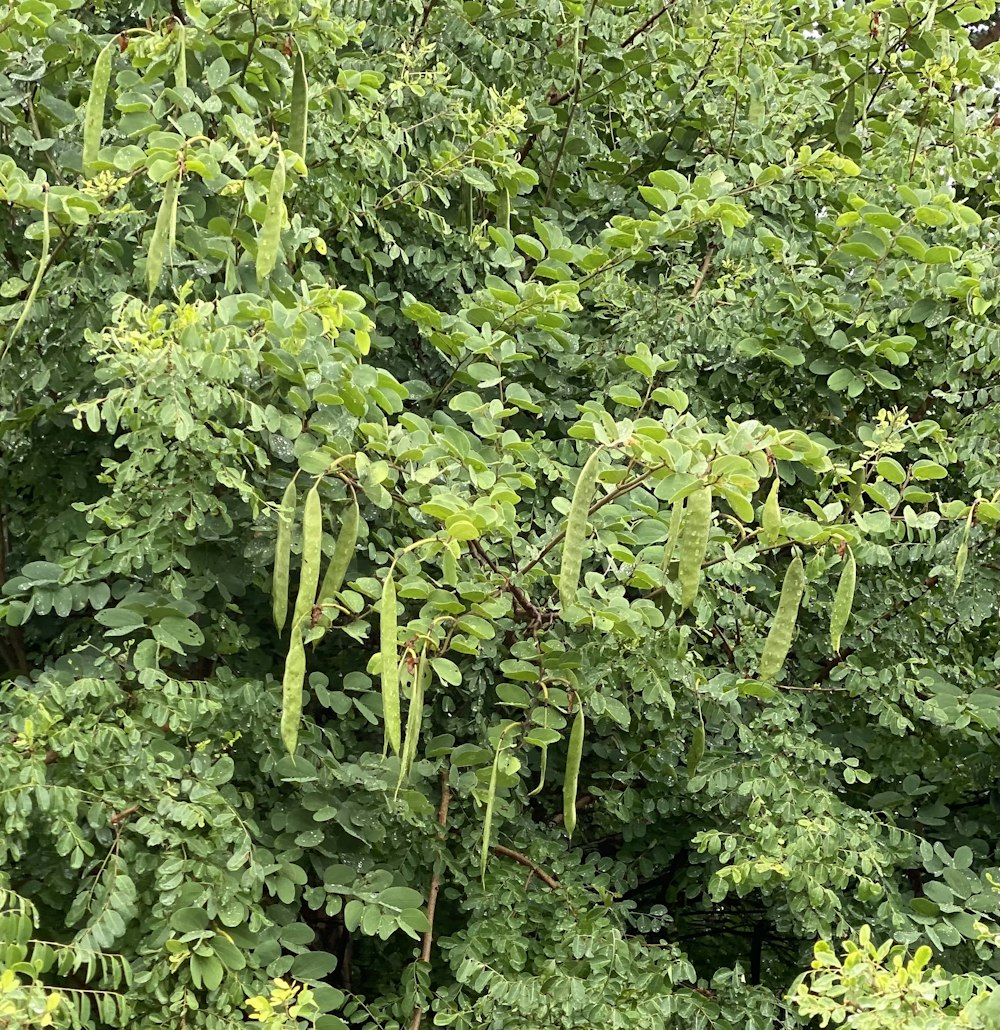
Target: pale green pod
point(282, 556)
point(779, 639)
point(343, 552)
point(576, 531)
point(312, 557)
point(93, 116)
point(291, 691)
point(43, 261)
point(269, 238)
point(697, 750)
point(694, 544)
point(843, 601)
point(298, 129)
point(163, 232)
point(574, 754)
point(390, 664)
point(770, 517)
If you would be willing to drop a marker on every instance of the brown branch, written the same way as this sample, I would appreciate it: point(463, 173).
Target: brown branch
point(125, 813)
point(517, 856)
point(619, 491)
point(428, 7)
point(700, 281)
point(583, 801)
point(645, 26)
point(427, 940)
point(555, 99)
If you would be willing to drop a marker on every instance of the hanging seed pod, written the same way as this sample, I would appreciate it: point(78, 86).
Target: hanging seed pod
point(282, 556)
point(312, 557)
point(269, 238)
point(694, 544)
point(779, 639)
point(163, 232)
point(298, 128)
point(390, 664)
point(576, 531)
point(571, 783)
point(843, 601)
point(291, 691)
point(93, 116)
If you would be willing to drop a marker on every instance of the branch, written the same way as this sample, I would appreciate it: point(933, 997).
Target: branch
point(517, 856)
point(432, 895)
point(619, 491)
point(700, 281)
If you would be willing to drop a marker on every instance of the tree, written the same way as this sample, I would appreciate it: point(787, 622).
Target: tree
point(499, 513)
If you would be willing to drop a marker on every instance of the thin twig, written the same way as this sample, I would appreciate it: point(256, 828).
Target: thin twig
point(517, 856)
point(427, 940)
point(596, 506)
point(700, 281)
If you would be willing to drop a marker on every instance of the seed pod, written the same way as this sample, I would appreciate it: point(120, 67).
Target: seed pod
point(43, 261)
point(282, 556)
point(770, 516)
point(697, 750)
point(291, 691)
point(503, 209)
point(390, 663)
point(299, 121)
point(269, 238)
point(180, 69)
point(576, 531)
point(414, 718)
point(963, 549)
point(673, 534)
point(93, 116)
point(573, 756)
point(343, 551)
point(163, 231)
point(779, 639)
point(312, 557)
point(491, 797)
point(843, 601)
point(694, 543)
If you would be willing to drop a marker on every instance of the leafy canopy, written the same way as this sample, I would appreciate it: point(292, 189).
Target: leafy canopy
point(499, 514)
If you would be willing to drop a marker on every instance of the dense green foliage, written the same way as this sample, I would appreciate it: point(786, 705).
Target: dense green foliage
point(498, 515)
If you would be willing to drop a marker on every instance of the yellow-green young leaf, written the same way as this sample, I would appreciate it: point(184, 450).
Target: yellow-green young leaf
point(697, 749)
point(576, 531)
point(93, 116)
point(573, 756)
point(291, 691)
point(312, 557)
point(449, 566)
point(343, 551)
point(269, 239)
point(779, 639)
point(180, 69)
point(414, 718)
point(770, 516)
point(298, 128)
point(390, 663)
point(282, 556)
point(163, 232)
point(43, 261)
point(694, 543)
point(843, 601)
